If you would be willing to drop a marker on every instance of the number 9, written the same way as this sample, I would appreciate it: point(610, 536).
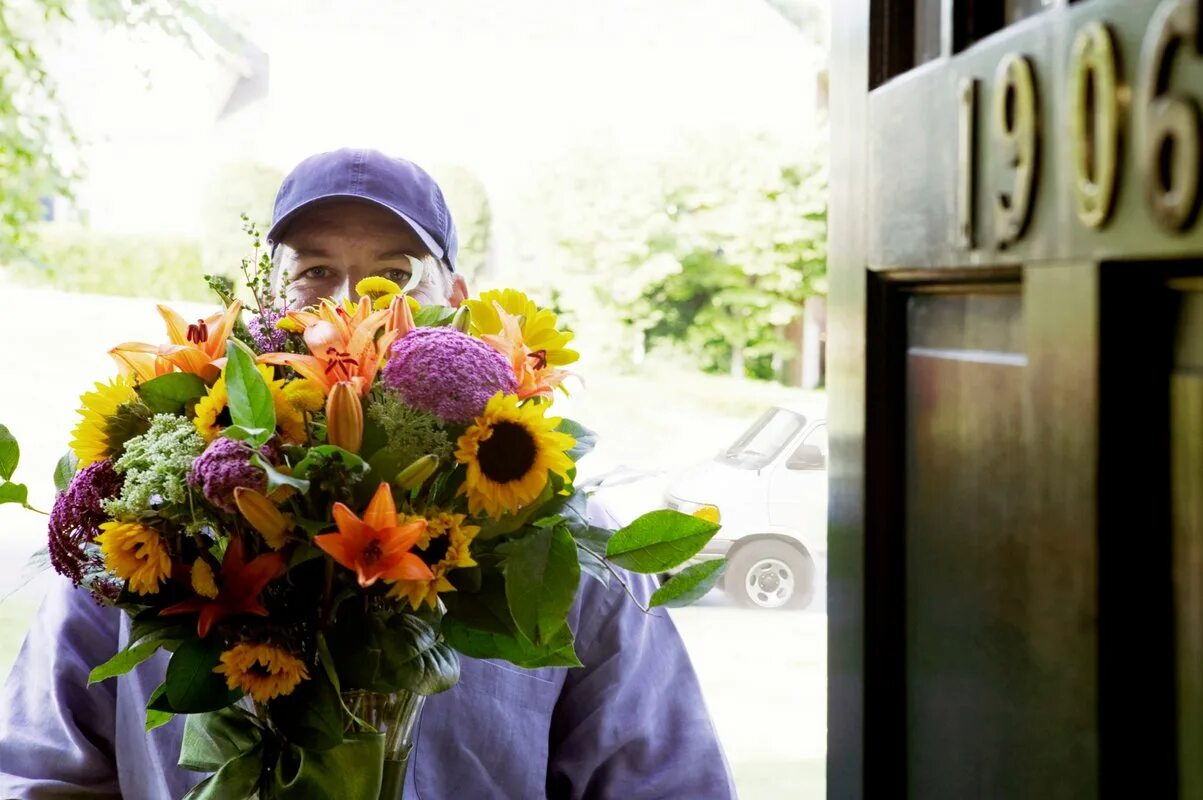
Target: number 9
point(1015, 128)
point(1169, 133)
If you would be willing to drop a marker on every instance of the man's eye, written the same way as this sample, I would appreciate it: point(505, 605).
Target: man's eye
point(396, 276)
point(315, 274)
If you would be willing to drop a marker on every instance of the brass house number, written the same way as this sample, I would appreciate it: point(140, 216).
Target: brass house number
point(1166, 124)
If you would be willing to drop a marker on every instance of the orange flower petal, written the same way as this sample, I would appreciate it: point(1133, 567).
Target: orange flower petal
point(382, 512)
point(177, 328)
point(306, 366)
point(410, 568)
point(221, 325)
point(351, 526)
point(335, 545)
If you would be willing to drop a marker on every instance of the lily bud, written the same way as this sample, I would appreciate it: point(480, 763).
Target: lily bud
point(263, 515)
point(344, 417)
point(400, 315)
point(417, 473)
point(462, 320)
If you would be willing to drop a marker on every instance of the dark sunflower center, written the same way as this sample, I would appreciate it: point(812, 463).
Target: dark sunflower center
point(508, 454)
point(224, 419)
point(372, 553)
point(259, 669)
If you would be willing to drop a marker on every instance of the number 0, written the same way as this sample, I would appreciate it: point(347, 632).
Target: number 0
point(1094, 120)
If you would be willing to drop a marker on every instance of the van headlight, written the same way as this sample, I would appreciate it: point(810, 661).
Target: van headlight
point(706, 511)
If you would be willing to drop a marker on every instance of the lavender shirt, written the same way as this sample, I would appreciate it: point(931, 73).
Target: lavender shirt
point(630, 724)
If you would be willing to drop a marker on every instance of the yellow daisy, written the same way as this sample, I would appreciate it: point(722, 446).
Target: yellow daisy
point(445, 532)
point(135, 553)
point(509, 451)
point(378, 289)
point(212, 413)
point(305, 395)
point(93, 438)
point(538, 325)
point(263, 671)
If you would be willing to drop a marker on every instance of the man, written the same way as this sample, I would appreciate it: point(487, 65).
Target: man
point(630, 724)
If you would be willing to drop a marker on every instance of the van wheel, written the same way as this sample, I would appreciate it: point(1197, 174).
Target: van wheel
point(772, 575)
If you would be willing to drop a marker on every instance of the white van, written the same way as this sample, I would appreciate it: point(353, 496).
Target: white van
point(770, 487)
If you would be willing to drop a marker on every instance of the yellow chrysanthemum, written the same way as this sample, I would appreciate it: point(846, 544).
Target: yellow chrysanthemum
point(444, 531)
point(263, 671)
point(212, 416)
point(305, 395)
point(203, 581)
point(509, 451)
point(379, 290)
point(539, 332)
point(135, 553)
point(91, 440)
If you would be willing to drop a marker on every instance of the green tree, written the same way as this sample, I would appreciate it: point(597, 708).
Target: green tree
point(711, 253)
point(37, 141)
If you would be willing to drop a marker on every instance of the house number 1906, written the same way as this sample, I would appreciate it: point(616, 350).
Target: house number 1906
point(1166, 130)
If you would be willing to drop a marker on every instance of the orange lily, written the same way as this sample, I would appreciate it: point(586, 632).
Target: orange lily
point(376, 546)
point(536, 378)
point(241, 584)
point(199, 348)
point(342, 345)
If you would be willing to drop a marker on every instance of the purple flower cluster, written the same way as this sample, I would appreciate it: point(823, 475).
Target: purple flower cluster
point(75, 521)
point(447, 373)
point(264, 333)
point(223, 467)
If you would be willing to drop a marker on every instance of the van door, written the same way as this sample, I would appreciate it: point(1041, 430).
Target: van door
point(798, 490)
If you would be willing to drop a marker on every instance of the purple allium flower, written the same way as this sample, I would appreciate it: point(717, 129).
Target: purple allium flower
point(266, 336)
point(223, 467)
point(447, 373)
point(75, 521)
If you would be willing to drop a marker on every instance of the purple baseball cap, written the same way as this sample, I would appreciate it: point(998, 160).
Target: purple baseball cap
point(394, 184)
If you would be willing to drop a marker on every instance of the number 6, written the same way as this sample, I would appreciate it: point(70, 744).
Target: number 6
point(1169, 130)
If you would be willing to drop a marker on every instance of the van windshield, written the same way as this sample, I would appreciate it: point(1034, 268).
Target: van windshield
point(761, 443)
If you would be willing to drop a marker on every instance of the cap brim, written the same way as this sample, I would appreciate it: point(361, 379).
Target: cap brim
point(278, 229)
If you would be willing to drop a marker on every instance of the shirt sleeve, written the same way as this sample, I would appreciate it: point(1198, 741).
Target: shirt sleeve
point(632, 722)
point(56, 733)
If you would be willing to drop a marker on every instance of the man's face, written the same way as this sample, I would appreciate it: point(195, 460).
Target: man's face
point(330, 248)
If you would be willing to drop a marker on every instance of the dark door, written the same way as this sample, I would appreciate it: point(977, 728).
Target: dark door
point(1016, 512)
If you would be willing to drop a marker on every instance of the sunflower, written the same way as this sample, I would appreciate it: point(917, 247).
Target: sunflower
point(446, 538)
point(509, 451)
point(538, 325)
point(135, 553)
point(263, 671)
point(212, 410)
point(96, 436)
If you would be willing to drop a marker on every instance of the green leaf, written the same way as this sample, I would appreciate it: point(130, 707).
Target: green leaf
point(251, 405)
point(192, 686)
point(65, 470)
point(585, 438)
point(433, 316)
point(387, 655)
point(276, 478)
point(14, 493)
point(591, 544)
point(126, 660)
point(311, 715)
point(659, 541)
point(541, 577)
point(168, 394)
point(690, 584)
point(253, 436)
point(351, 461)
point(10, 453)
point(517, 649)
point(156, 716)
point(304, 552)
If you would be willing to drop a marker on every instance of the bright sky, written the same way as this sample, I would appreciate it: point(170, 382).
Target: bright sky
point(501, 88)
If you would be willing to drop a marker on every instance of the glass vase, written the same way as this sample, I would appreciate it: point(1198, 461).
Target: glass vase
point(396, 716)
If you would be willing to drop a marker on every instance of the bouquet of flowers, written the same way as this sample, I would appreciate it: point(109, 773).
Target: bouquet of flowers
point(318, 511)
